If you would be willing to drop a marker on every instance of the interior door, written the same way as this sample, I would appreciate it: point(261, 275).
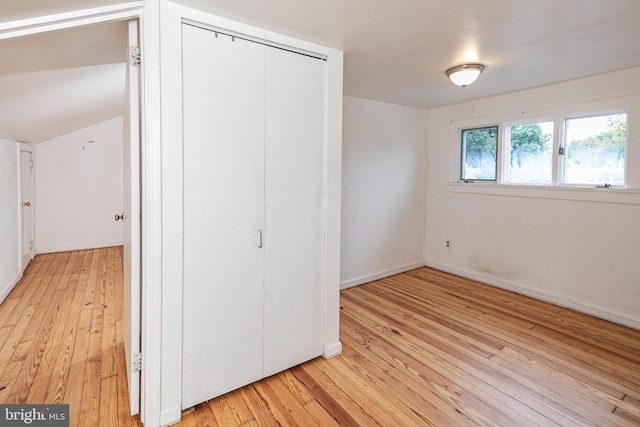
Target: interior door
point(223, 214)
point(26, 170)
point(132, 238)
point(294, 200)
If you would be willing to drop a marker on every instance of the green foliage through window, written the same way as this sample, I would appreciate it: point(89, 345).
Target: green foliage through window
point(479, 153)
point(530, 153)
point(590, 150)
point(596, 150)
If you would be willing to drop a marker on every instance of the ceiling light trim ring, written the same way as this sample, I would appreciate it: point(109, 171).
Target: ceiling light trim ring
point(465, 74)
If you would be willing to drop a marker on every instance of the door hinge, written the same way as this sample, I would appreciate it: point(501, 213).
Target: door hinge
point(30, 164)
point(134, 56)
point(561, 151)
point(136, 366)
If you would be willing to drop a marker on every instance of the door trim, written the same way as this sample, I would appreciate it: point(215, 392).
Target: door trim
point(150, 170)
point(26, 148)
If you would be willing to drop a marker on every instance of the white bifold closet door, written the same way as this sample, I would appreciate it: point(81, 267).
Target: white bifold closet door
point(253, 145)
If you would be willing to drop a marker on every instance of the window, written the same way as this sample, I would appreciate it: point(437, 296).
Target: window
point(479, 154)
point(595, 150)
point(587, 151)
point(529, 158)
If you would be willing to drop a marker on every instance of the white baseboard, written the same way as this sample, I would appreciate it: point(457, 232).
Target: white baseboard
point(332, 350)
point(560, 300)
point(76, 246)
point(170, 416)
point(12, 284)
point(382, 274)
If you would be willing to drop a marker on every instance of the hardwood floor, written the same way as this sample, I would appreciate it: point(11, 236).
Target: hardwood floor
point(420, 348)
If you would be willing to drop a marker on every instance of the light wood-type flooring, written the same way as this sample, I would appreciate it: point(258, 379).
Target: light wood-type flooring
point(420, 348)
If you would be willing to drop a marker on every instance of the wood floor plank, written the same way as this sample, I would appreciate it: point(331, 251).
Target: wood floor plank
point(231, 409)
point(54, 356)
point(285, 407)
point(446, 372)
point(13, 368)
point(7, 307)
point(24, 289)
point(75, 383)
point(430, 408)
point(23, 387)
point(369, 395)
point(444, 392)
point(60, 374)
point(505, 329)
point(108, 401)
point(331, 397)
point(8, 350)
point(560, 320)
point(111, 278)
point(320, 415)
point(90, 400)
point(421, 348)
point(297, 389)
point(204, 416)
point(527, 392)
point(258, 406)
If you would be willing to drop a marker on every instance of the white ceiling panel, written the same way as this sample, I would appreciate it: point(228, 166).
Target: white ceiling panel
point(56, 83)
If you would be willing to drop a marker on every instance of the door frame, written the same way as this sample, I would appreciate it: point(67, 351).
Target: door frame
point(150, 268)
point(25, 147)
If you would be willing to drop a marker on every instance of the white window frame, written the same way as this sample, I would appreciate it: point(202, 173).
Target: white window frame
point(629, 194)
point(498, 155)
point(506, 149)
point(563, 128)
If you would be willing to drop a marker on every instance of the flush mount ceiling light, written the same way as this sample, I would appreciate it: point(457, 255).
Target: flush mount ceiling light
point(464, 75)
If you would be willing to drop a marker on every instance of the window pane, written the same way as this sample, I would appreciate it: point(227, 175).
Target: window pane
point(479, 153)
point(595, 150)
point(530, 154)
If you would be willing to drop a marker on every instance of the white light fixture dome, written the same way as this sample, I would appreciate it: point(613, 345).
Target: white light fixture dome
point(464, 75)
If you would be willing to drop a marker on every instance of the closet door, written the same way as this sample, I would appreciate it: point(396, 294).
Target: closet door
point(294, 243)
point(223, 137)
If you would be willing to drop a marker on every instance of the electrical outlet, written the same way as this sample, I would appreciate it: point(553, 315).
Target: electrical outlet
point(447, 243)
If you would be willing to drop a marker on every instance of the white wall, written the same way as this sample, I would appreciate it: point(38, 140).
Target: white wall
point(578, 248)
point(79, 189)
point(9, 218)
point(383, 187)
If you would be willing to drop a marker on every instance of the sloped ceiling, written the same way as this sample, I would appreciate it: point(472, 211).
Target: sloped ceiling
point(395, 51)
point(52, 84)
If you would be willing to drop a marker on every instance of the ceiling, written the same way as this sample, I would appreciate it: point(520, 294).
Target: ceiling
point(60, 82)
point(395, 51)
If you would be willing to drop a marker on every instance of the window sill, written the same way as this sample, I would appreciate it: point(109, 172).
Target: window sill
point(601, 195)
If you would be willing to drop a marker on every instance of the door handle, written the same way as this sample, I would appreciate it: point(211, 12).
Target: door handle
point(26, 204)
point(120, 217)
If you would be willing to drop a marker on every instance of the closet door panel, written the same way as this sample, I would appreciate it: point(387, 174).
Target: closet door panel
point(223, 148)
point(294, 221)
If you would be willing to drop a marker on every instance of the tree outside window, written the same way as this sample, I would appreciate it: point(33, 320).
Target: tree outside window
point(479, 153)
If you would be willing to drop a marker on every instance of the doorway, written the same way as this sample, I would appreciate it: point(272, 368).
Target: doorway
point(85, 76)
point(26, 201)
